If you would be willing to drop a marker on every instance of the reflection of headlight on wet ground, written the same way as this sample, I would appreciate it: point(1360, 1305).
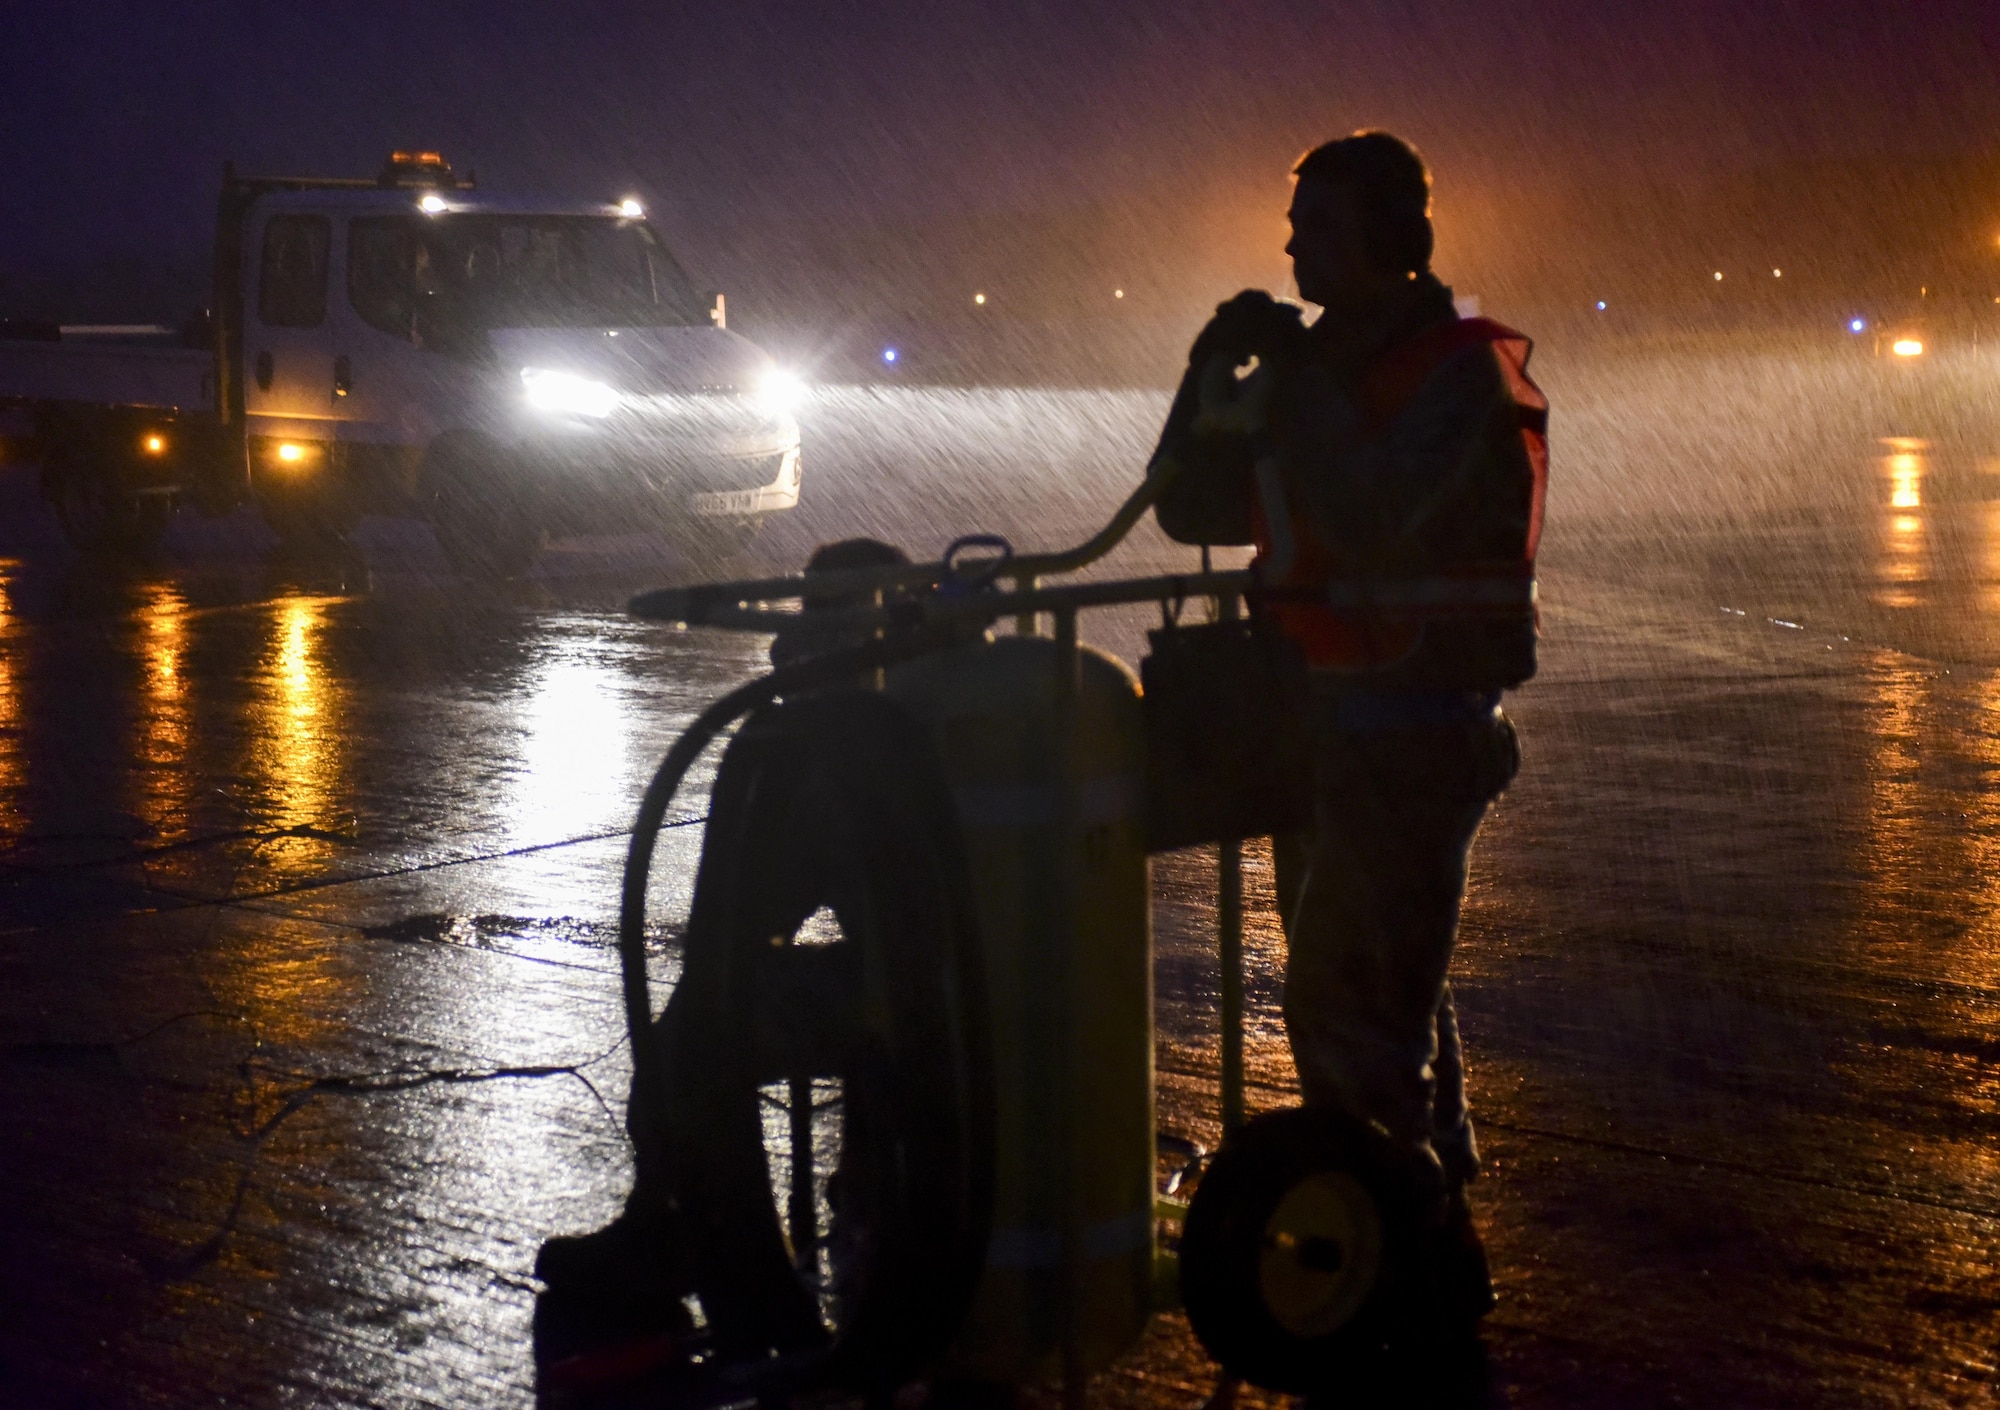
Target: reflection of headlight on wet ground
point(566, 394)
point(779, 392)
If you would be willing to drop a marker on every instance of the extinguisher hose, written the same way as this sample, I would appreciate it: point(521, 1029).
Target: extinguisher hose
point(809, 674)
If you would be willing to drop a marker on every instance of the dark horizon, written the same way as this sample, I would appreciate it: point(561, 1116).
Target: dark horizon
point(826, 168)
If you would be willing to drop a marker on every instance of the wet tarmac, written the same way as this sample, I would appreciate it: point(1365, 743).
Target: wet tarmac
point(309, 1014)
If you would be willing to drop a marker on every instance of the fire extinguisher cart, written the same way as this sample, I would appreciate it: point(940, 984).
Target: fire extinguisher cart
point(903, 1091)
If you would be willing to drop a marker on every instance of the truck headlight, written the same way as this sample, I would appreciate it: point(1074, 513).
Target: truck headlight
point(566, 394)
point(779, 392)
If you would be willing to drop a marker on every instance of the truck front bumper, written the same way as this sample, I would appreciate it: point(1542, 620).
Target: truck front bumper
point(597, 487)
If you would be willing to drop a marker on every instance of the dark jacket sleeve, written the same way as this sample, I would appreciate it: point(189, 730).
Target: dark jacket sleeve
point(1210, 479)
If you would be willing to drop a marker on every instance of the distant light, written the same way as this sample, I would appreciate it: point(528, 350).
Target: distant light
point(291, 452)
point(1777, 274)
point(156, 445)
point(630, 209)
point(979, 298)
point(1600, 305)
point(1907, 347)
point(1718, 276)
point(1120, 293)
point(888, 354)
point(431, 205)
point(1857, 324)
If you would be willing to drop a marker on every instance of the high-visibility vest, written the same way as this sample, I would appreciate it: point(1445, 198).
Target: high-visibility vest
point(1351, 620)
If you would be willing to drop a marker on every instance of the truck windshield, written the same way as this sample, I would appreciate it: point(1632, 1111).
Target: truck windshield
point(475, 272)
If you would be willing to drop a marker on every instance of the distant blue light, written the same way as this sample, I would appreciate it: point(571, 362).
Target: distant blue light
point(888, 354)
point(1600, 305)
point(1856, 325)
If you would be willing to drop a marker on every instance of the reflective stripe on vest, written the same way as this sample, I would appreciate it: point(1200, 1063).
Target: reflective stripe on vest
point(1348, 623)
point(1482, 596)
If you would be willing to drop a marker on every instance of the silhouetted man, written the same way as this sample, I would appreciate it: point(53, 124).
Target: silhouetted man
point(1388, 462)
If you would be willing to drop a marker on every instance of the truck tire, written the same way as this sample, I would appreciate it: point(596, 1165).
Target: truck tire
point(710, 544)
point(98, 513)
point(476, 507)
point(307, 526)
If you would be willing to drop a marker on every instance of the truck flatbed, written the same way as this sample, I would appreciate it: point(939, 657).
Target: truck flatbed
point(107, 373)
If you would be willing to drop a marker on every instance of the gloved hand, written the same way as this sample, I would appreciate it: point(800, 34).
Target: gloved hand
point(1250, 324)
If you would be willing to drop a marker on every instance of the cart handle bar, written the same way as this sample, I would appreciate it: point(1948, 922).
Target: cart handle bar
point(913, 613)
point(721, 604)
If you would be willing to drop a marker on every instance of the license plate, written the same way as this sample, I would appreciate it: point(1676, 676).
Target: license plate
point(726, 502)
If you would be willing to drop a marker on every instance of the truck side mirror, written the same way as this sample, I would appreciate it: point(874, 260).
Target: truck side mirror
point(718, 309)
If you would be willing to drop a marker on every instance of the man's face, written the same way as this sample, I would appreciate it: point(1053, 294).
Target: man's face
point(1330, 261)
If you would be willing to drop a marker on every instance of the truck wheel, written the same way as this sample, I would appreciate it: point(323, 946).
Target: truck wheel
point(98, 513)
point(475, 507)
point(709, 544)
point(307, 526)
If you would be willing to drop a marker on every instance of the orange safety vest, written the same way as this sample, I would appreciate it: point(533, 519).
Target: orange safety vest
point(1346, 621)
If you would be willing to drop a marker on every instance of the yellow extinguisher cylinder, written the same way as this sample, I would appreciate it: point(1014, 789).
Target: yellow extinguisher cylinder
point(1046, 770)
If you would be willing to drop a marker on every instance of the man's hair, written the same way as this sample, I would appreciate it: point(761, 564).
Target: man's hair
point(1392, 193)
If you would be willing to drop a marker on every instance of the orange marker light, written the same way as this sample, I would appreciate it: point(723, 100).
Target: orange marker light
point(155, 445)
point(291, 452)
point(1907, 347)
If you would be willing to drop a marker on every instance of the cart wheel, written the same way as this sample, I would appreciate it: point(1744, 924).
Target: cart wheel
point(1299, 1261)
point(825, 1110)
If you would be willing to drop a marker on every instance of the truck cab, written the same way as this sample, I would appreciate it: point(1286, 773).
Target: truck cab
point(504, 369)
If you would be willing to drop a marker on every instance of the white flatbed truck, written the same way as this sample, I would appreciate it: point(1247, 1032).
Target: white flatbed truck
point(504, 370)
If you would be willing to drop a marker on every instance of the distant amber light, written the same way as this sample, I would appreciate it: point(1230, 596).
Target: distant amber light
point(1777, 274)
point(155, 445)
point(1120, 293)
point(1907, 347)
point(1718, 276)
point(291, 452)
point(979, 298)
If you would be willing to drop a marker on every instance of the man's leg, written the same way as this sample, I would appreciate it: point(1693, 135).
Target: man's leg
point(1377, 919)
point(1451, 1116)
point(1368, 955)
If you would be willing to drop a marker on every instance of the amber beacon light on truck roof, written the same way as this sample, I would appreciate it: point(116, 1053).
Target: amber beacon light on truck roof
point(421, 169)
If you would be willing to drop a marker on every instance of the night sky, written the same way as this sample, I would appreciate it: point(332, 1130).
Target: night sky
point(829, 155)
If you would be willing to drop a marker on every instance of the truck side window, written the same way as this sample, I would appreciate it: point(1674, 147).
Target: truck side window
point(388, 274)
point(291, 285)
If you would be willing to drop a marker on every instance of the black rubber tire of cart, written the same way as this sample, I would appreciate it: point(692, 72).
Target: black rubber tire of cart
point(98, 513)
point(1302, 1258)
point(477, 506)
point(832, 803)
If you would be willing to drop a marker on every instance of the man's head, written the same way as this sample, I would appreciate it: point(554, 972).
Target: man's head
point(1361, 226)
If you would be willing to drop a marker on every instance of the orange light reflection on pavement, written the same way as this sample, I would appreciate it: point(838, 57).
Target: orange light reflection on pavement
point(297, 749)
point(165, 775)
point(13, 768)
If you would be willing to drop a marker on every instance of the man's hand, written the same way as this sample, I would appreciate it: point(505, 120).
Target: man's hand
point(1253, 324)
